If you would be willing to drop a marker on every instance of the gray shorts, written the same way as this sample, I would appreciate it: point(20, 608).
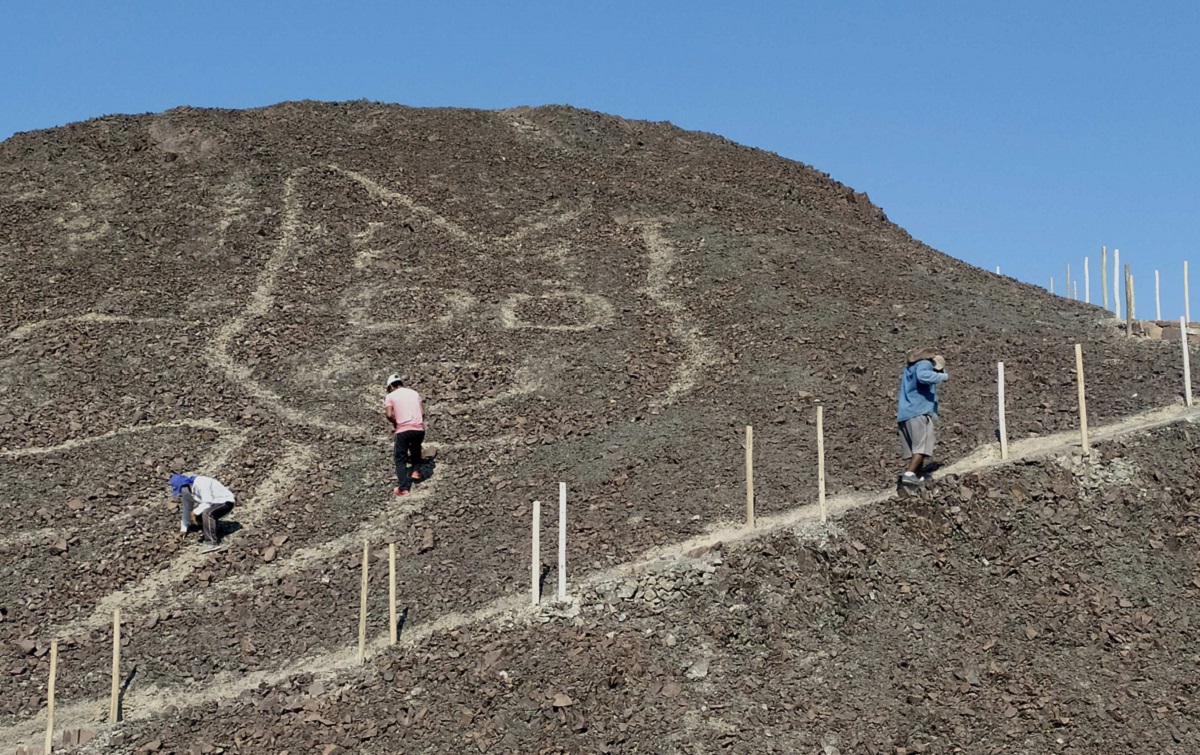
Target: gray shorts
point(917, 436)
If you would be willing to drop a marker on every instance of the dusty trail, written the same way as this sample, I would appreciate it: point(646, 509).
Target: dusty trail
point(149, 701)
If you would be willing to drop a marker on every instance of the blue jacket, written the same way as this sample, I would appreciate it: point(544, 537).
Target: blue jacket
point(918, 390)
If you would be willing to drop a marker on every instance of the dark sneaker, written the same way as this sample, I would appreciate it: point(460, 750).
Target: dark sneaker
point(909, 478)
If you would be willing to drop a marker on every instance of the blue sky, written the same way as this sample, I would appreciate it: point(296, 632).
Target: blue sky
point(1019, 134)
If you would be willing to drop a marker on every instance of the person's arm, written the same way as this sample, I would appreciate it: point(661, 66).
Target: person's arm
point(929, 376)
point(390, 414)
point(186, 505)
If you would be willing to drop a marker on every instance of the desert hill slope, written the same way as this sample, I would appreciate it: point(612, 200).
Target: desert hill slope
point(578, 297)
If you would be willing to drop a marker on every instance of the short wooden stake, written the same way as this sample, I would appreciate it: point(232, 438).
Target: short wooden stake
point(1000, 397)
point(1157, 300)
point(50, 697)
point(997, 269)
point(1187, 307)
point(749, 476)
point(1104, 274)
point(393, 629)
point(535, 554)
point(1083, 434)
point(1051, 285)
point(1187, 368)
point(1087, 282)
point(562, 541)
point(1075, 290)
point(362, 606)
point(1116, 289)
point(821, 462)
point(1128, 302)
point(113, 707)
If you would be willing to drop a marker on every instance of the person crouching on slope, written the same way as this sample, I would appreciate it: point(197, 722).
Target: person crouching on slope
point(917, 410)
point(204, 498)
point(402, 407)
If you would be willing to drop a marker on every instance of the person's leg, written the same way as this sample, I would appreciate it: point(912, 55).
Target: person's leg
point(915, 463)
point(209, 522)
point(416, 438)
point(398, 457)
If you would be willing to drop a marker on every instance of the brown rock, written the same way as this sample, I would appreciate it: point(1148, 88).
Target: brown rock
point(268, 554)
point(563, 700)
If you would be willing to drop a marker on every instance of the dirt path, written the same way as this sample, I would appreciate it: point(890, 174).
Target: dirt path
point(147, 702)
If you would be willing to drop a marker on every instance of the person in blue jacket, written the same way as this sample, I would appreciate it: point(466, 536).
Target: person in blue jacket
point(917, 410)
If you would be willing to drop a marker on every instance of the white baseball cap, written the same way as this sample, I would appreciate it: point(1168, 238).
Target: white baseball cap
point(392, 380)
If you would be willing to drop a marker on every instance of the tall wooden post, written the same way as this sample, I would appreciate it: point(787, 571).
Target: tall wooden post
point(393, 628)
point(1128, 303)
point(1187, 368)
point(1104, 274)
point(50, 697)
point(114, 700)
point(1187, 307)
point(1132, 297)
point(1000, 396)
point(1157, 299)
point(1083, 430)
point(821, 462)
point(362, 606)
point(749, 476)
point(1116, 289)
point(1087, 282)
point(562, 541)
point(535, 555)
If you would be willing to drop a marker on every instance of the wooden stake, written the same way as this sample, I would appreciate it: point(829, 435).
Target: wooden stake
point(1075, 290)
point(113, 707)
point(50, 697)
point(1052, 285)
point(1132, 296)
point(1187, 368)
point(1128, 303)
point(1000, 396)
point(394, 630)
point(362, 606)
point(1087, 282)
point(1083, 434)
point(1104, 274)
point(562, 541)
point(535, 557)
point(1187, 307)
point(1157, 299)
point(821, 462)
point(749, 476)
point(997, 269)
point(1116, 290)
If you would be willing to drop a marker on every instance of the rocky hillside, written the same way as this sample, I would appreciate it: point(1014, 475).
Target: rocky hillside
point(578, 297)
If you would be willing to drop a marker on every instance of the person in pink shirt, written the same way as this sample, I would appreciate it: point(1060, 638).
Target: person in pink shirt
point(402, 407)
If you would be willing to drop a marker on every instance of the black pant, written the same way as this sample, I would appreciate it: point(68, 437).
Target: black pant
point(208, 521)
point(407, 453)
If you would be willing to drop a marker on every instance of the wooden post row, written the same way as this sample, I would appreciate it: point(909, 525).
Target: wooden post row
point(1083, 428)
point(562, 541)
point(1187, 368)
point(749, 476)
point(1000, 396)
point(362, 606)
point(821, 462)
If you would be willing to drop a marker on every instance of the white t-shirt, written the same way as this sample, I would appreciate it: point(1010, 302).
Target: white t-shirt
point(208, 493)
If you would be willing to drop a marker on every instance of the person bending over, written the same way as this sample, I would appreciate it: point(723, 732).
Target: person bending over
point(202, 502)
point(402, 407)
